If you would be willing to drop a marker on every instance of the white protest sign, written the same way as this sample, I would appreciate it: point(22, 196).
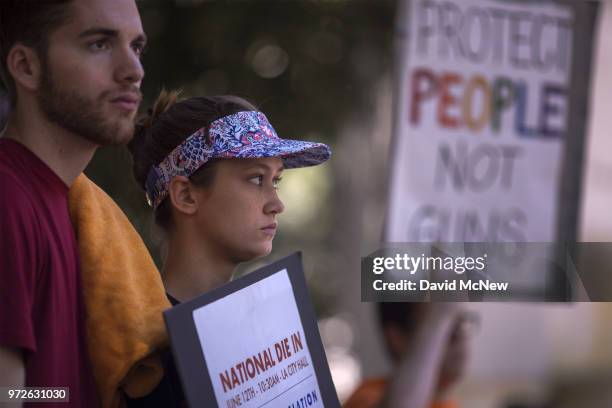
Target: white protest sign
point(481, 121)
point(259, 357)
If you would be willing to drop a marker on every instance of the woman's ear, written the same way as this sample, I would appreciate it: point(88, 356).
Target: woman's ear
point(181, 194)
point(24, 65)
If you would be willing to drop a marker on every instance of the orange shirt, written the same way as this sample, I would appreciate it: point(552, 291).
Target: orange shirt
point(371, 392)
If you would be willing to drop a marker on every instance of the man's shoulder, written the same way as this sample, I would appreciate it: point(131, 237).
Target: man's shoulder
point(16, 162)
point(15, 194)
point(11, 182)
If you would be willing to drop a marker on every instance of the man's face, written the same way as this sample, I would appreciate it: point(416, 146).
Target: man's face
point(92, 71)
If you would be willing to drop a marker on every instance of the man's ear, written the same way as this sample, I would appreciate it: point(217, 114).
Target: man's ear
point(24, 65)
point(181, 194)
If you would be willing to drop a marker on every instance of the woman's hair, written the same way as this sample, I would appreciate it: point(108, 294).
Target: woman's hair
point(167, 125)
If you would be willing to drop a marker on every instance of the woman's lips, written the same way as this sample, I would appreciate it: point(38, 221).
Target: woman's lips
point(270, 229)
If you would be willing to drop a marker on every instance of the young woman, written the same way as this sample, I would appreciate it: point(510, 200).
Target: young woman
point(210, 167)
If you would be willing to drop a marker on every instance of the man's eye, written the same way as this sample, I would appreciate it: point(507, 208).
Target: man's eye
point(100, 45)
point(139, 49)
point(258, 180)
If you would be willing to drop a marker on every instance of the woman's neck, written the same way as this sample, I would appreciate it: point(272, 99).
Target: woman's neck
point(191, 269)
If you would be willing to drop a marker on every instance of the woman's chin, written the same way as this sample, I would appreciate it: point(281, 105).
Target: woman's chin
point(265, 250)
point(253, 253)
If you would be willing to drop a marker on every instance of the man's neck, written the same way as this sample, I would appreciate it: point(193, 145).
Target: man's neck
point(63, 152)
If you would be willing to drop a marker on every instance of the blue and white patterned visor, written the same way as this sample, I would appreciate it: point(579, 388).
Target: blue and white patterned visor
point(246, 135)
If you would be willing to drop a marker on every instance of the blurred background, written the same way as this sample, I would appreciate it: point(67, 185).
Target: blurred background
point(322, 70)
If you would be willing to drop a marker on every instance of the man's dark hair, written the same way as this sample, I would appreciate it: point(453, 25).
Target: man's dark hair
point(29, 22)
point(404, 315)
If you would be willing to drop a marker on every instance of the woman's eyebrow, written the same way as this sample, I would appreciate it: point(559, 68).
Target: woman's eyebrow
point(266, 167)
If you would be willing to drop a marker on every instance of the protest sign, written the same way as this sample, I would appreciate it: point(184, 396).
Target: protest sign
point(481, 121)
point(253, 343)
point(490, 123)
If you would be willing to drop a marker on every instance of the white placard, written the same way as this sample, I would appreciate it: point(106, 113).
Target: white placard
point(269, 367)
point(482, 116)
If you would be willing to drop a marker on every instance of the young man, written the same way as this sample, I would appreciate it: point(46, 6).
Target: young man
point(73, 72)
point(427, 343)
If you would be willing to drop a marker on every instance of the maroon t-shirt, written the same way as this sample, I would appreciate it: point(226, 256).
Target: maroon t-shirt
point(41, 306)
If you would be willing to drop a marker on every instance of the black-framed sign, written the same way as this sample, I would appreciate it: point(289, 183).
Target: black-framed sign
point(253, 343)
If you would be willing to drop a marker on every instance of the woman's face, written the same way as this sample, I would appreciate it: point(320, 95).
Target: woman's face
point(237, 213)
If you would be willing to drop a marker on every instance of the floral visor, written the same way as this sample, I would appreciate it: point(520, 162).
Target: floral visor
point(242, 135)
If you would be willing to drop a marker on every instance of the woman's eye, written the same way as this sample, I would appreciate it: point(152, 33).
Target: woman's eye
point(258, 180)
point(276, 182)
